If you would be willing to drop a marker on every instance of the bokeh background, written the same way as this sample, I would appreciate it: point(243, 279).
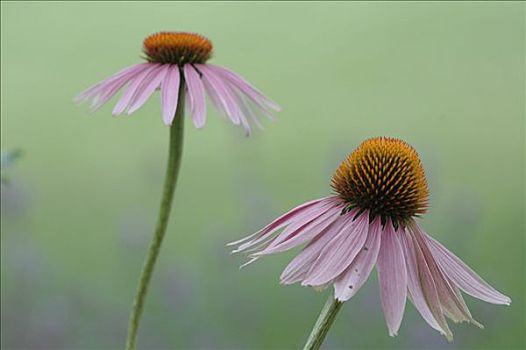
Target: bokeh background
point(78, 213)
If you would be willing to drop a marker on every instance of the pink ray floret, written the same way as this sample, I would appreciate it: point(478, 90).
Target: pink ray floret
point(341, 248)
point(232, 95)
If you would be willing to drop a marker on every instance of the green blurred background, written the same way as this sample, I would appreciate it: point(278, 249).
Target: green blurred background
point(78, 215)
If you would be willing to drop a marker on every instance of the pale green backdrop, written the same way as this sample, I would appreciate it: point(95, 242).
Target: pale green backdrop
point(76, 220)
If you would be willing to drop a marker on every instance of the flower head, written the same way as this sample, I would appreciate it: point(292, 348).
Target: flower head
point(178, 60)
point(381, 188)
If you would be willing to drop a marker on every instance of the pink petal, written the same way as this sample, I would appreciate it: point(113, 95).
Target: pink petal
point(296, 236)
point(281, 221)
point(148, 87)
point(463, 305)
point(197, 94)
point(216, 87)
point(107, 90)
point(307, 216)
point(134, 85)
point(463, 276)
point(242, 94)
point(244, 86)
point(298, 268)
point(170, 94)
point(341, 251)
point(247, 110)
point(226, 94)
point(102, 85)
point(245, 124)
point(189, 104)
point(422, 289)
point(297, 222)
point(452, 303)
point(348, 284)
point(216, 101)
point(392, 276)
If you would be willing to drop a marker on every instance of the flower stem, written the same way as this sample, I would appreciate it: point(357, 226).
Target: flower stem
point(323, 324)
point(172, 170)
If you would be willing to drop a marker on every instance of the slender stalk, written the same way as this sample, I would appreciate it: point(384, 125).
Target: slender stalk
point(323, 324)
point(172, 170)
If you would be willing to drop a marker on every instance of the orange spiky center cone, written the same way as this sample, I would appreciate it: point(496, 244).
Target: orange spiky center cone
point(177, 48)
point(385, 176)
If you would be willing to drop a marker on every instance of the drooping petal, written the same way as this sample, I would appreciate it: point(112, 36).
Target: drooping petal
point(246, 109)
point(392, 276)
point(295, 226)
point(341, 251)
point(170, 94)
point(245, 87)
point(296, 236)
point(452, 304)
point(298, 268)
point(196, 91)
point(214, 98)
point(222, 93)
point(248, 102)
point(303, 219)
point(148, 87)
point(111, 86)
point(463, 276)
point(188, 105)
point(130, 92)
point(108, 92)
point(96, 89)
point(239, 103)
point(232, 104)
point(348, 284)
point(422, 289)
point(244, 123)
point(463, 305)
point(280, 222)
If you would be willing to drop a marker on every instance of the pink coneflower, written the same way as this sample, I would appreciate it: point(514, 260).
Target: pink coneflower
point(380, 189)
point(176, 65)
point(176, 58)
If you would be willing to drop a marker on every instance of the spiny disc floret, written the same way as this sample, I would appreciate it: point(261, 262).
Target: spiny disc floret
point(385, 176)
point(177, 48)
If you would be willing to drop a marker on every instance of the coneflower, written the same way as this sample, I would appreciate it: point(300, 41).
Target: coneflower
point(380, 188)
point(176, 65)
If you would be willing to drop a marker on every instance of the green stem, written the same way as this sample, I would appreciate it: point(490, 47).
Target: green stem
point(323, 324)
point(172, 170)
